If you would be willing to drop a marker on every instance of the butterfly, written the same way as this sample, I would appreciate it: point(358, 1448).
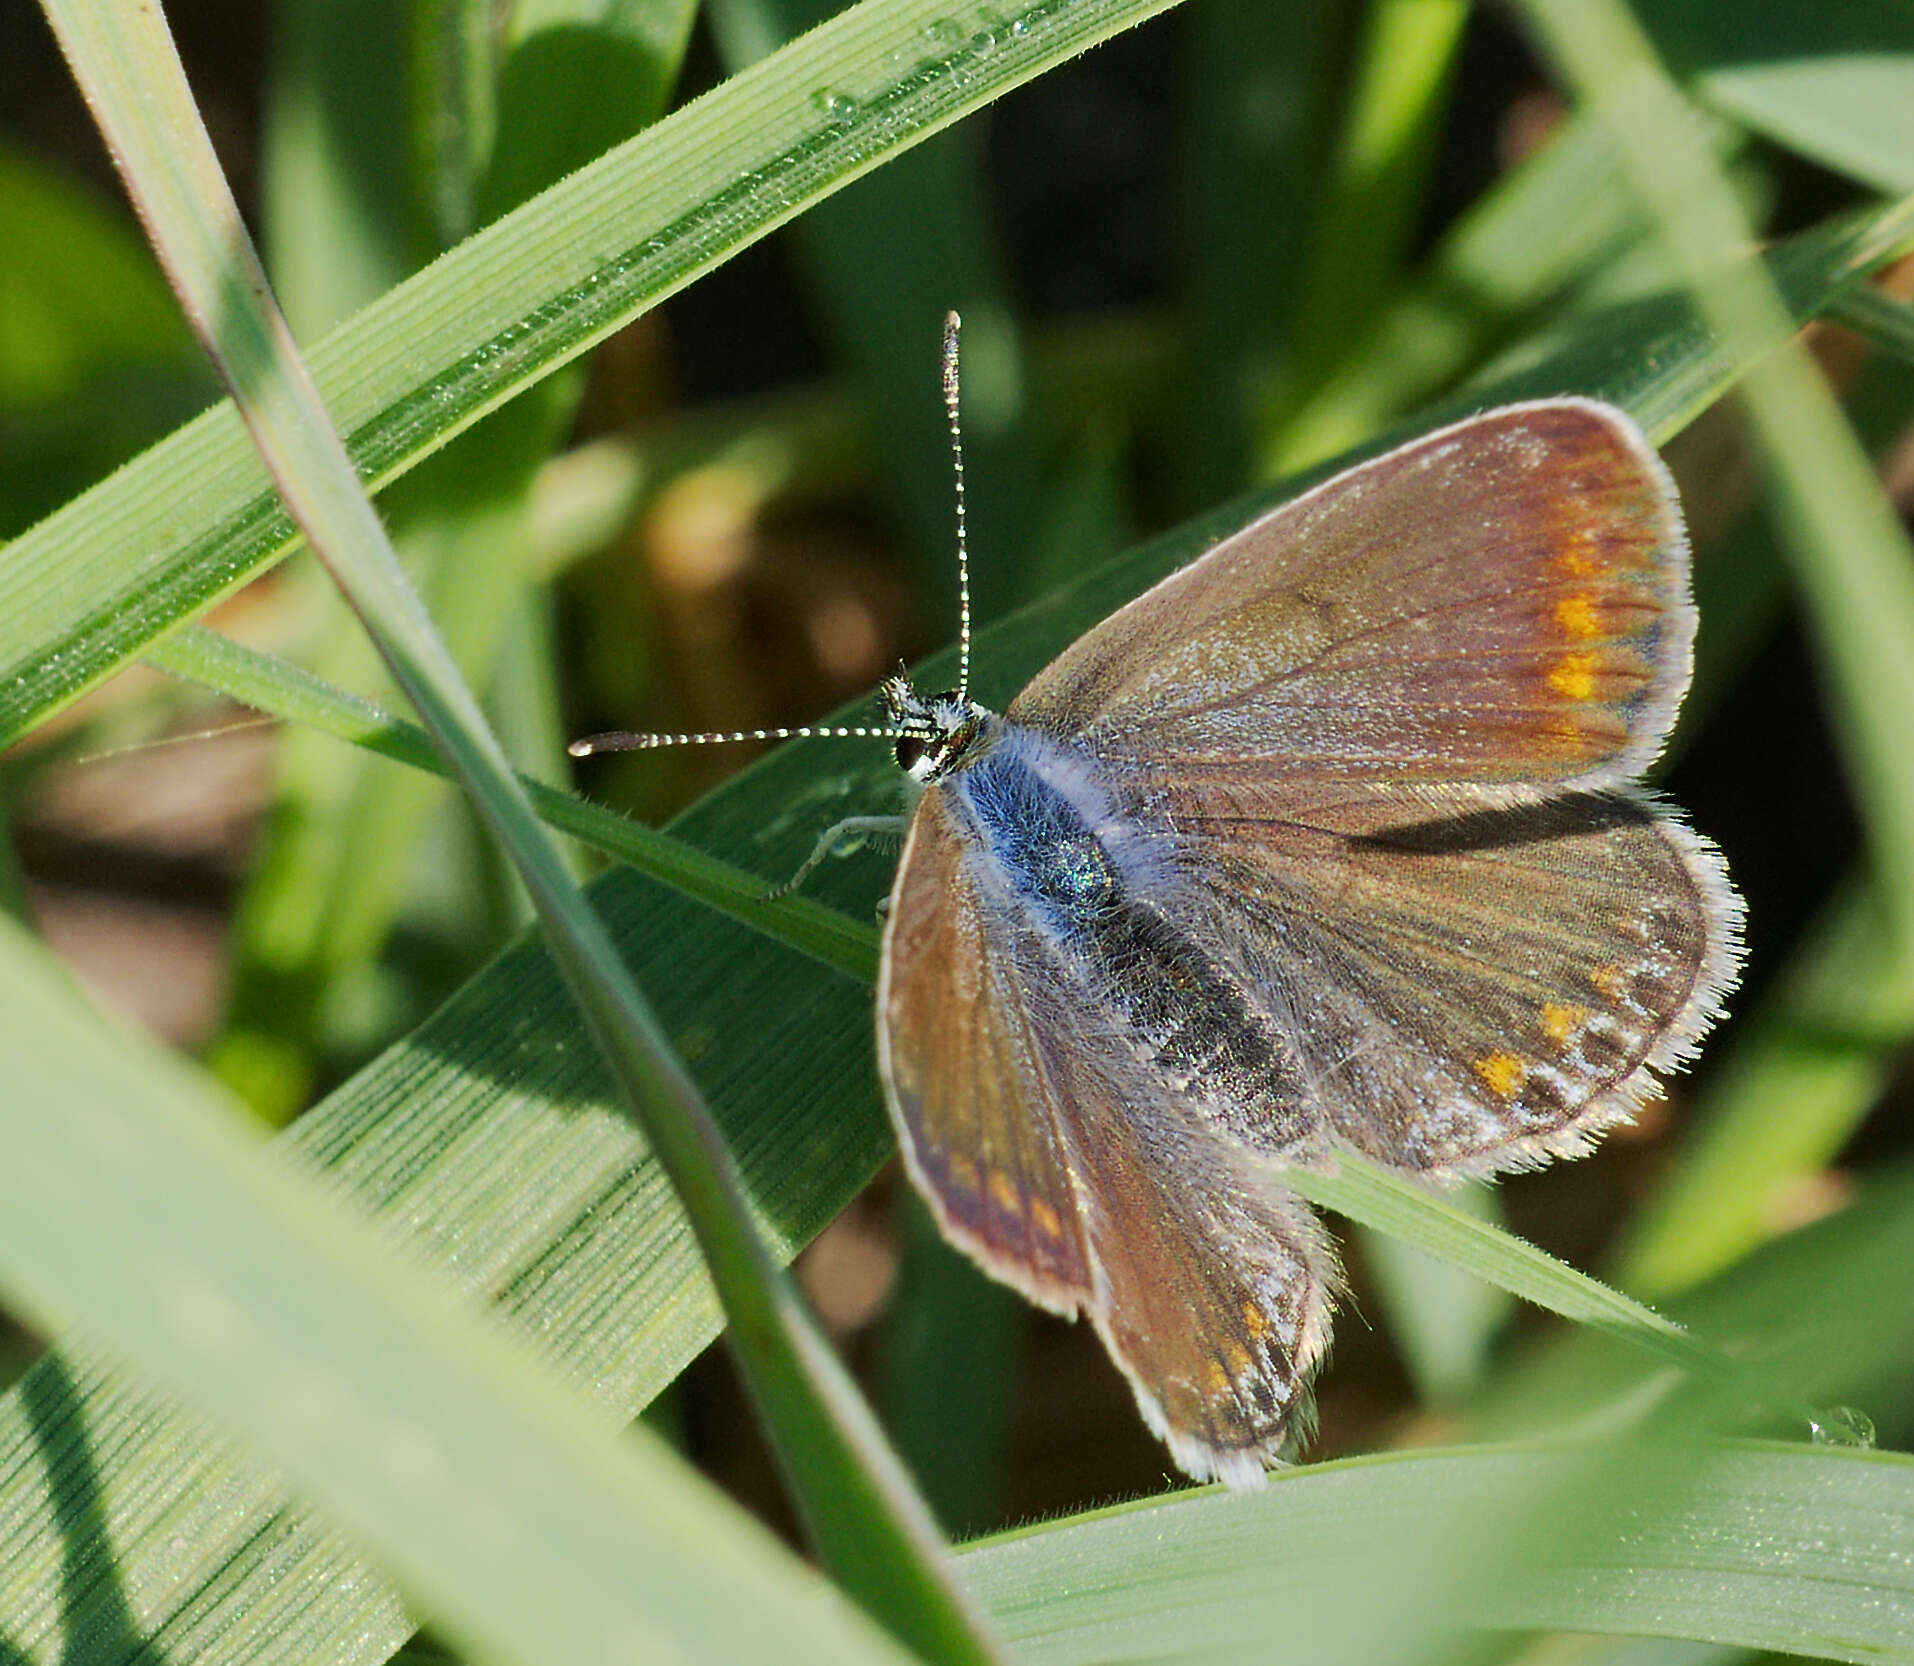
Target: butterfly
point(1332, 842)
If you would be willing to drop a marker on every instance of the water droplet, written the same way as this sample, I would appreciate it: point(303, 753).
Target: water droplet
point(839, 107)
point(1841, 1426)
point(945, 31)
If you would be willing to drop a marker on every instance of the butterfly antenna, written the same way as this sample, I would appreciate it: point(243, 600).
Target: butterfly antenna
point(952, 324)
point(628, 740)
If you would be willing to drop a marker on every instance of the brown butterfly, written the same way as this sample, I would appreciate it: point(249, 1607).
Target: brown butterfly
point(1332, 841)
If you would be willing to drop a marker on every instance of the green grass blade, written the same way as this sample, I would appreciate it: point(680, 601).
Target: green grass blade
point(131, 1198)
point(1371, 196)
point(1852, 560)
point(95, 361)
point(1390, 1559)
point(1834, 82)
point(1443, 1319)
point(857, 1500)
point(1888, 323)
point(1386, 1203)
point(341, 220)
point(272, 686)
point(1561, 213)
point(452, 114)
point(1814, 1058)
point(1826, 1306)
point(195, 517)
point(1249, 190)
point(343, 851)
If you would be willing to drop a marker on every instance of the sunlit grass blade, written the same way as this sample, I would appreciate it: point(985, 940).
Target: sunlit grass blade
point(1835, 83)
point(273, 686)
point(1392, 1559)
point(1386, 1203)
point(1370, 199)
point(857, 1501)
point(502, 1499)
point(195, 517)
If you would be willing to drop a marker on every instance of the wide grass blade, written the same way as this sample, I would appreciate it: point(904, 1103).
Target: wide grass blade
point(132, 1197)
point(1393, 1558)
point(855, 1497)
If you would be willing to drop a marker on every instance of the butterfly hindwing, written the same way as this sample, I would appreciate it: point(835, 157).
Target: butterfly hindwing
point(1473, 993)
point(1214, 1282)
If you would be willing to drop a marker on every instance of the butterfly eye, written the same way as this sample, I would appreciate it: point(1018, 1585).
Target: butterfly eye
point(910, 751)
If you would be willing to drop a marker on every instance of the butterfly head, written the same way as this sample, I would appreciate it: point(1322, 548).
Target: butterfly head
point(934, 734)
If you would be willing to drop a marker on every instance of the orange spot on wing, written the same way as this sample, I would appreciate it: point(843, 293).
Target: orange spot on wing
point(1004, 1193)
point(1607, 982)
point(1044, 1218)
point(1218, 1377)
point(1577, 615)
point(1574, 676)
point(1578, 554)
point(961, 1171)
point(1501, 1073)
point(1559, 1020)
point(1256, 1320)
point(1238, 1357)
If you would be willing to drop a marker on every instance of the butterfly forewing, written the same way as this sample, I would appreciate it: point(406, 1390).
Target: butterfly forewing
point(1501, 605)
point(978, 1119)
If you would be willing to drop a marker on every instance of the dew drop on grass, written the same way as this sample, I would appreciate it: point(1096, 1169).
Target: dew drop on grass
point(1841, 1426)
point(839, 107)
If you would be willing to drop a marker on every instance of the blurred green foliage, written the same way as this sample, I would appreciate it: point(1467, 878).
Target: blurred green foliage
point(1228, 248)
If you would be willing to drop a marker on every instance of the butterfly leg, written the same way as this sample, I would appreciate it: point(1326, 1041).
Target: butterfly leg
point(841, 838)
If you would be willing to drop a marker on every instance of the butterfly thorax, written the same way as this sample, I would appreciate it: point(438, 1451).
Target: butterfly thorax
point(1054, 855)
